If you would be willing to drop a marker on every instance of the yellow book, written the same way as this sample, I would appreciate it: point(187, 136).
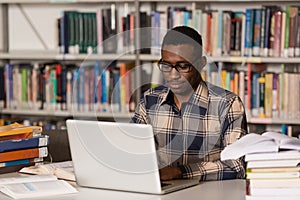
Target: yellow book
point(268, 94)
point(17, 131)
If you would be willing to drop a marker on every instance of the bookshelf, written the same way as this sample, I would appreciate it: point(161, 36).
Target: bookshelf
point(12, 53)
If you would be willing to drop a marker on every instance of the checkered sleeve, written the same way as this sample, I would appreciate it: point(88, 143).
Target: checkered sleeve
point(140, 116)
point(234, 127)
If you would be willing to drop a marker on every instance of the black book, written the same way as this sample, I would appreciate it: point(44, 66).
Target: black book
point(109, 17)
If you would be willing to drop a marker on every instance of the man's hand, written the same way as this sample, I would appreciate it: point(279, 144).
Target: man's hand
point(169, 173)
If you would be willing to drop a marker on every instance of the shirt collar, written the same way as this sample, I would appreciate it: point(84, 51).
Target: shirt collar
point(199, 97)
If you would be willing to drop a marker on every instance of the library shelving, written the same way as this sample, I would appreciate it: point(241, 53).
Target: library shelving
point(39, 41)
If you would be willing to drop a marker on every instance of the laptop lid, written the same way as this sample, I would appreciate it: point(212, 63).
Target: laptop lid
point(112, 155)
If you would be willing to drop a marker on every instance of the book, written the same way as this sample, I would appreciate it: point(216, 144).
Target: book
point(274, 183)
point(23, 154)
point(62, 170)
point(273, 163)
point(256, 143)
point(24, 143)
point(2, 91)
point(35, 186)
point(284, 155)
point(273, 175)
point(21, 162)
point(274, 192)
point(16, 131)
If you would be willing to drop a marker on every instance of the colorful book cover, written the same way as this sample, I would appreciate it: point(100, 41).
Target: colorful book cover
point(17, 131)
point(21, 162)
point(24, 143)
point(23, 154)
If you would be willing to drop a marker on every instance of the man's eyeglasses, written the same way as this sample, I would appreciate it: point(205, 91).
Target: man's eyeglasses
point(180, 67)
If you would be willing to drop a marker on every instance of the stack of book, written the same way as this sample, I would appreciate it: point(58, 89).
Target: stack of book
point(273, 175)
point(273, 165)
point(21, 146)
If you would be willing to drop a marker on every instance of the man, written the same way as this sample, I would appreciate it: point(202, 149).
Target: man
point(192, 120)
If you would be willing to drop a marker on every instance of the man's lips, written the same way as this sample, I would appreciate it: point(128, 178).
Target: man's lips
point(175, 84)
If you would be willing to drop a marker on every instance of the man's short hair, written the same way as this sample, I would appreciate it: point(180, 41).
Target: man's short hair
point(184, 35)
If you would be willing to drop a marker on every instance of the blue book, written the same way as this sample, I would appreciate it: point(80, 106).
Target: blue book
point(20, 162)
point(81, 89)
point(257, 29)
point(248, 32)
point(24, 143)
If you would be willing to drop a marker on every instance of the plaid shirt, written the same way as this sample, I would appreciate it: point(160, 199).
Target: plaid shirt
point(193, 137)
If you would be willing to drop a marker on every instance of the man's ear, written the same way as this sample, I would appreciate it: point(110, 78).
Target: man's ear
point(203, 62)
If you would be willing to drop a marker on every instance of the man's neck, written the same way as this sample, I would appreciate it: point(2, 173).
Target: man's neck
point(178, 99)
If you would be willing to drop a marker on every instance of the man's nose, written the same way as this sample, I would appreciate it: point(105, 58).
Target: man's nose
point(174, 73)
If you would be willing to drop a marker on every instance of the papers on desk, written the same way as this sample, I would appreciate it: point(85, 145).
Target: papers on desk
point(62, 170)
point(34, 186)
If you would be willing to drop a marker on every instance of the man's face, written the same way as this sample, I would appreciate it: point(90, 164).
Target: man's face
point(180, 83)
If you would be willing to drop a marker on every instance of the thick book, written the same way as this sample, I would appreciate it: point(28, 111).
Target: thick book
point(256, 143)
point(35, 186)
point(25, 143)
point(23, 154)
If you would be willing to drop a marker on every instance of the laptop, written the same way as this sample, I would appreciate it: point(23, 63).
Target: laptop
point(118, 156)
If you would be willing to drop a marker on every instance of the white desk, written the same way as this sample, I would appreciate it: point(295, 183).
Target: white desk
point(213, 190)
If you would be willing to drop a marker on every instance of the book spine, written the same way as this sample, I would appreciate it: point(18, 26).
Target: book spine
point(268, 15)
point(261, 110)
point(2, 88)
point(228, 33)
point(275, 95)
point(220, 33)
point(297, 42)
point(287, 32)
point(293, 29)
point(239, 33)
point(268, 94)
point(23, 154)
point(283, 35)
point(248, 32)
point(21, 162)
point(26, 143)
point(262, 30)
point(257, 29)
point(277, 33)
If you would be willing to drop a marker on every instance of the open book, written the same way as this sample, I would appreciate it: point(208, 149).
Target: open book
point(62, 170)
point(255, 143)
point(34, 186)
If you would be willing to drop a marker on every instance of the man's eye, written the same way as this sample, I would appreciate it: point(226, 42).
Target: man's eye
point(184, 65)
point(165, 66)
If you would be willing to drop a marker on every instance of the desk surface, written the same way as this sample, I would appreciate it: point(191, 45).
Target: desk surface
point(213, 190)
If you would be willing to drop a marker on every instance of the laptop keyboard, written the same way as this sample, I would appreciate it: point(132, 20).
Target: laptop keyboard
point(164, 184)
